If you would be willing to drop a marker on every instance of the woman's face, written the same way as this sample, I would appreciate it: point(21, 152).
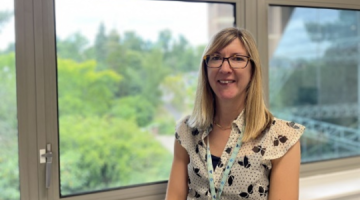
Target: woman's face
point(226, 82)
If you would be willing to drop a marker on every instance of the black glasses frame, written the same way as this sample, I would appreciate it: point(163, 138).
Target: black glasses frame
point(206, 59)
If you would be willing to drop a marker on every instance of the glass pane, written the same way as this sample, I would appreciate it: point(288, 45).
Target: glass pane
point(9, 165)
point(127, 71)
point(314, 77)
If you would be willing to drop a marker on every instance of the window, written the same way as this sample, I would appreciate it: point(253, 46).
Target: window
point(9, 170)
point(314, 77)
point(127, 71)
point(84, 122)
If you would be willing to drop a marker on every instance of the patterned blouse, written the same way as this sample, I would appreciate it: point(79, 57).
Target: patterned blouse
point(249, 175)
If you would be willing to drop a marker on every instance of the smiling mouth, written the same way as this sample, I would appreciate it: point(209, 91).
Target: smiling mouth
point(225, 82)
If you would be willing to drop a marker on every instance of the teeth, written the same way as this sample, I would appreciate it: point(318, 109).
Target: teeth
point(226, 81)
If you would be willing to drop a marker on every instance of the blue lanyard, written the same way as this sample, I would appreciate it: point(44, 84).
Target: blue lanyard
point(227, 169)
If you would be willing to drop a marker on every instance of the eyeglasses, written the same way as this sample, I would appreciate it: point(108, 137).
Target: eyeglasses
point(235, 61)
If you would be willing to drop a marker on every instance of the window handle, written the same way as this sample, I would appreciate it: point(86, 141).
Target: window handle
point(47, 158)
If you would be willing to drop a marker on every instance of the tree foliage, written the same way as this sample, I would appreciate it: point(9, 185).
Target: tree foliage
point(113, 100)
point(9, 173)
point(124, 154)
point(110, 98)
point(83, 90)
point(73, 48)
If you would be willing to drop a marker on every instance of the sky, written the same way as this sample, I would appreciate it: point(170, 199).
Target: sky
point(146, 18)
point(7, 33)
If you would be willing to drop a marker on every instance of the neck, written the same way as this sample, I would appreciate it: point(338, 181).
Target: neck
point(226, 112)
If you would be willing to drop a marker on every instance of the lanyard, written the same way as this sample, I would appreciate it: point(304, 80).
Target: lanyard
point(227, 169)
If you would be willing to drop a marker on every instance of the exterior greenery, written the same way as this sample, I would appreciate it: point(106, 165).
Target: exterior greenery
point(112, 108)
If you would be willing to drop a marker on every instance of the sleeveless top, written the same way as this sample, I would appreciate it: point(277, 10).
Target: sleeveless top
point(249, 176)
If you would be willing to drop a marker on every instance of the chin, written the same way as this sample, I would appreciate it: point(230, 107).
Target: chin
point(227, 96)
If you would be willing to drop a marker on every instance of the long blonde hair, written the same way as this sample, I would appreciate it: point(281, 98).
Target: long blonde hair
point(257, 116)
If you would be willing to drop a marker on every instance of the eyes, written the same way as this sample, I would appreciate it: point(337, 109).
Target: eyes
point(235, 58)
point(236, 61)
point(215, 58)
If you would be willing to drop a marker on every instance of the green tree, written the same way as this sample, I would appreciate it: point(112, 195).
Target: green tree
point(152, 75)
point(175, 90)
point(133, 42)
point(164, 40)
point(8, 89)
point(83, 90)
point(100, 44)
point(114, 59)
point(106, 153)
point(105, 106)
point(135, 108)
point(143, 73)
point(182, 57)
point(73, 47)
point(107, 125)
point(9, 171)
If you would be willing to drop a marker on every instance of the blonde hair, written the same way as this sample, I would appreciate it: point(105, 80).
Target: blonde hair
point(257, 116)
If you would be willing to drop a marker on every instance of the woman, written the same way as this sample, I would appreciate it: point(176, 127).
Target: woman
point(231, 147)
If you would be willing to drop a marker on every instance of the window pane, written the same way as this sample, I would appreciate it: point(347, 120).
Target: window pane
point(127, 71)
point(314, 77)
point(9, 165)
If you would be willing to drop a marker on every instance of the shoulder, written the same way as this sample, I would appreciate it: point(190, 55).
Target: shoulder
point(280, 126)
point(182, 123)
point(182, 127)
point(184, 134)
point(280, 137)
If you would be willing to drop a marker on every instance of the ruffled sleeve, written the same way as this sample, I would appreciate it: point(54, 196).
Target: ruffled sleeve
point(182, 132)
point(281, 136)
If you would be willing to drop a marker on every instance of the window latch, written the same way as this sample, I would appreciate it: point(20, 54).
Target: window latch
point(46, 157)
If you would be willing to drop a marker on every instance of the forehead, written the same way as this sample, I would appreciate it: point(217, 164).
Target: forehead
point(234, 47)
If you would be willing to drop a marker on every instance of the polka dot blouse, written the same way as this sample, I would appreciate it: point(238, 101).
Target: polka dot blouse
point(249, 175)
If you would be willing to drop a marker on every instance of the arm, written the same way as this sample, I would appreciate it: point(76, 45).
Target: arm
point(177, 185)
point(284, 179)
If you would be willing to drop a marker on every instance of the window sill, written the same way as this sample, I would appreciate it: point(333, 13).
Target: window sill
point(344, 185)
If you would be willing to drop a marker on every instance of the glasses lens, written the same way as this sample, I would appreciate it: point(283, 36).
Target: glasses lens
point(214, 60)
point(238, 61)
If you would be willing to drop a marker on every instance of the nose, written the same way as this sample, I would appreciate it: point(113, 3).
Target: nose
point(225, 67)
